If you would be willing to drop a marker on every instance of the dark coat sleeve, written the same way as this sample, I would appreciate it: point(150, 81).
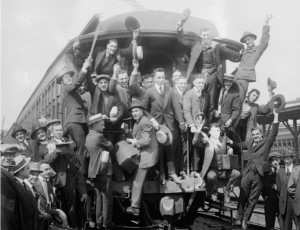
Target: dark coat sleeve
point(228, 54)
point(183, 41)
point(235, 107)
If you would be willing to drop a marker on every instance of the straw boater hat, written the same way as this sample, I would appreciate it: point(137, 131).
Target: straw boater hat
point(61, 73)
point(35, 167)
point(16, 129)
point(53, 121)
point(164, 135)
point(274, 154)
point(20, 162)
point(35, 128)
point(95, 118)
point(246, 34)
point(102, 76)
point(228, 76)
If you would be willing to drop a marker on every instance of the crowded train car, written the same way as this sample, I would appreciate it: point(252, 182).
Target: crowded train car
point(137, 124)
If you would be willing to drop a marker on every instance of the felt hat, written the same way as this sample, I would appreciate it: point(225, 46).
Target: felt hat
point(35, 128)
point(102, 76)
point(132, 23)
point(228, 76)
point(95, 118)
point(35, 167)
point(272, 84)
point(136, 104)
point(61, 73)
point(246, 34)
point(53, 121)
point(16, 129)
point(59, 218)
point(277, 102)
point(164, 135)
point(288, 153)
point(20, 162)
point(274, 154)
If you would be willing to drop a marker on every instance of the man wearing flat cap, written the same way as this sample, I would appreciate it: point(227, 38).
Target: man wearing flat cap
point(269, 193)
point(144, 140)
point(282, 179)
point(246, 69)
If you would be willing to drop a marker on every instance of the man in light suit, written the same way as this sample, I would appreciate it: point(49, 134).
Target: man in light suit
point(144, 140)
point(228, 104)
point(206, 57)
point(74, 110)
point(253, 173)
point(246, 69)
point(285, 201)
point(294, 191)
point(158, 101)
point(100, 169)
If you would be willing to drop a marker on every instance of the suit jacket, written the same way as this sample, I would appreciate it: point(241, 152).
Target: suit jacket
point(261, 151)
point(282, 188)
point(220, 53)
point(95, 144)
point(192, 104)
point(294, 189)
point(40, 151)
point(230, 108)
point(147, 144)
point(44, 206)
point(160, 109)
point(177, 101)
point(74, 110)
point(30, 149)
point(246, 69)
point(115, 58)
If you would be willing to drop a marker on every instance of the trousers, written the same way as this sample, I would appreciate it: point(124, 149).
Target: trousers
point(137, 186)
point(271, 211)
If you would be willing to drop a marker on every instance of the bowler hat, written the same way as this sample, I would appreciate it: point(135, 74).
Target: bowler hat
point(35, 128)
point(164, 135)
point(20, 162)
point(61, 73)
point(16, 129)
point(246, 34)
point(53, 121)
point(288, 153)
point(228, 76)
point(136, 104)
point(95, 118)
point(132, 23)
point(102, 76)
point(35, 167)
point(277, 102)
point(274, 154)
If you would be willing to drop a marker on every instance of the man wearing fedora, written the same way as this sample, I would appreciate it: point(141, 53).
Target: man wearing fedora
point(39, 134)
point(294, 191)
point(144, 140)
point(228, 104)
point(74, 110)
point(28, 204)
point(100, 170)
point(103, 102)
point(246, 70)
point(282, 179)
point(158, 101)
point(206, 57)
point(270, 194)
point(19, 133)
point(253, 173)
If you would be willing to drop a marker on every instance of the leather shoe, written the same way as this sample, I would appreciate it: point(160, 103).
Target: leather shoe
point(134, 211)
point(244, 224)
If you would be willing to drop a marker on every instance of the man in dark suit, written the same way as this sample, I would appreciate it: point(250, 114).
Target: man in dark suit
point(69, 182)
point(270, 194)
point(74, 110)
point(286, 201)
point(248, 114)
point(100, 169)
point(252, 175)
point(228, 104)
point(246, 69)
point(294, 191)
point(144, 140)
point(206, 57)
point(158, 102)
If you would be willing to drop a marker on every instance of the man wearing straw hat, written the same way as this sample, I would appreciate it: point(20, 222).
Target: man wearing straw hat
point(144, 140)
point(100, 169)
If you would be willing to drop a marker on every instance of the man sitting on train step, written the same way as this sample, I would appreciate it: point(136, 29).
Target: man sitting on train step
point(251, 184)
point(145, 141)
point(216, 146)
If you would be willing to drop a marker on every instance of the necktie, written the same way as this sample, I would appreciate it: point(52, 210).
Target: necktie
point(161, 92)
point(222, 96)
point(288, 173)
point(35, 193)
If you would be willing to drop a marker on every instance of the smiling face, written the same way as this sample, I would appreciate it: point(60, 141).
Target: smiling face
point(159, 78)
point(199, 83)
point(67, 79)
point(20, 136)
point(257, 135)
point(275, 162)
point(41, 135)
point(249, 40)
point(46, 170)
point(227, 84)
point(103, 84)
point(215, 132)
point(123, 79)
point(182, 84)
point(206, 37)
point(136, 113)
point(111, 47)
point(33, 177)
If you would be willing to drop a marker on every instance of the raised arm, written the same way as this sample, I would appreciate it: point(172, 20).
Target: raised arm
point(180, 34)
point(134, 86)
point(265, 37)
point(229, 54)
point(274, 131)
point(128, 51)
point(113, 83)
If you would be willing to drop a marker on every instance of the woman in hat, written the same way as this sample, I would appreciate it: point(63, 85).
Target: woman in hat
point(39, 134)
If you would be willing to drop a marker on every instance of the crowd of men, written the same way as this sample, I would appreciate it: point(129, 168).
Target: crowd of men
point(44, 178)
